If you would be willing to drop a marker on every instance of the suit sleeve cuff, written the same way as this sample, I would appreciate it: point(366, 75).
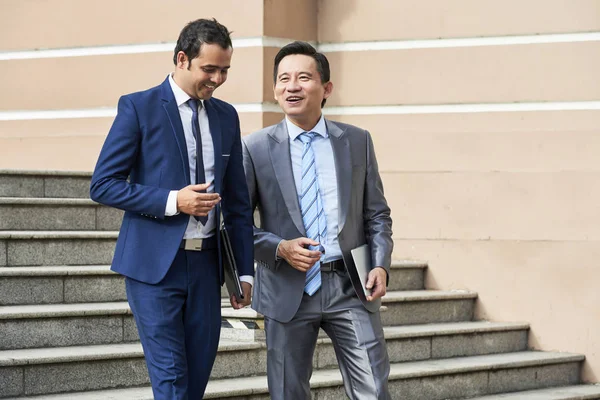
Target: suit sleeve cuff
point(247, 278)
point(171, 208)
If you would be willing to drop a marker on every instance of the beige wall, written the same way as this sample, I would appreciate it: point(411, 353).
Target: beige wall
point(97, 81)
point(34, 24)
point(486, 74)
point(503, 203)
point(360, 20)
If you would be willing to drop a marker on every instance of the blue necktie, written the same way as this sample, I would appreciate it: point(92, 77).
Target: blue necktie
point(311, 206)
point(200, 178)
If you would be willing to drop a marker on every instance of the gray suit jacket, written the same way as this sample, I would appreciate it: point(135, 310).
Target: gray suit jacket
point(364, 215)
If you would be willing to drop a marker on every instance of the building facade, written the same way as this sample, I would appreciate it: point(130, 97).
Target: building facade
point(485, 116)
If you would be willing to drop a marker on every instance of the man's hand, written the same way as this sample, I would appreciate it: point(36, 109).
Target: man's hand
point(376, 282)
point(189, 201)
point(297, 255)
point(247, 290)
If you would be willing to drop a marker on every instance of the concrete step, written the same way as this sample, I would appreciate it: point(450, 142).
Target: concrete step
point(56, 325)
point(404, 344)
point(446, 340)
point(398, 308)
point(20, 213)
point(405, 275)
point(60, 284)
point(87, 283)
point(576, 392)
point(19, 183)
point(52, 325)
point(433, 341)
point(427, 306)
point(405, 307)
point(452, 378)
point(49, 248)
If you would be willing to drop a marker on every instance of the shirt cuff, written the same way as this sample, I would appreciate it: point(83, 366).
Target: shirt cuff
point(277, 250)
point(247, 278)
point(171, 208)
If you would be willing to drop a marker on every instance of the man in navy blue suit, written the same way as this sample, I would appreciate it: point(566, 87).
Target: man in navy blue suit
point(173, 161)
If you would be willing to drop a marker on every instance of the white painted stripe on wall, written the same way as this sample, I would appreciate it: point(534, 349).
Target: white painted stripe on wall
point(462, 42)
point(19, 115)
point(130, 49)
point(108, 112)
point(462, 108)
point(87, 51)
point(257, 107)
point(324, 47)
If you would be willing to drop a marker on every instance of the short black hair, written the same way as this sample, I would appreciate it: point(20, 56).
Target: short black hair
point(306, 49)
point(201, 31)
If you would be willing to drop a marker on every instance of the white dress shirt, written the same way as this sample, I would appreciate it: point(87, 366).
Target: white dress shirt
point(195, 229)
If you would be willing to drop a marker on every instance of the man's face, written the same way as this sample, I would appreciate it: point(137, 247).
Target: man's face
point(206, 72)
point(298, 88)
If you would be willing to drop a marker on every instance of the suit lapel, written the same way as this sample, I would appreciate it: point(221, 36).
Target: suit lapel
point(172, 111)
point(343, 168)
point(215, 132)
point(279, 150)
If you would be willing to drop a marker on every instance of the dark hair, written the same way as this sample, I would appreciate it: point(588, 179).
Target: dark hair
point(306, 49)
point(201, 31)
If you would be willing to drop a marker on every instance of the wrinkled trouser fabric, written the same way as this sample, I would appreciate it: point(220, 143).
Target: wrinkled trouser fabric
point(357, 336)
point(179, 323)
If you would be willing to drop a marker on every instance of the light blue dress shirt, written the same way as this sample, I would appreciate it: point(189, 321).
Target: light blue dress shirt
point(326, 176)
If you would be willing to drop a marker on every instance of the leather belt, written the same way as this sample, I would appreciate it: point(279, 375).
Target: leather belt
point(337, 265)
point(199, 244)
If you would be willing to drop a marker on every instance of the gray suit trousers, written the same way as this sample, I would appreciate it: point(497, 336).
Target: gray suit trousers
point(357, 336)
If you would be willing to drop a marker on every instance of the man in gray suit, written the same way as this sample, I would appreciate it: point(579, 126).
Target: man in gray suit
point(319, 194)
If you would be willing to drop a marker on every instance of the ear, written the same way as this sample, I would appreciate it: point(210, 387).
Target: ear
point(275, 93)
point(182, 60)
point(328, 89)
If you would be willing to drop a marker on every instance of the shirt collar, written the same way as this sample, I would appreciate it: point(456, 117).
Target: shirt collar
point(181, 97)
point(294, 130)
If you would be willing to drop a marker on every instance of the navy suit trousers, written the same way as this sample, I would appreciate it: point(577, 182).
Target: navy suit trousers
point(179, 323)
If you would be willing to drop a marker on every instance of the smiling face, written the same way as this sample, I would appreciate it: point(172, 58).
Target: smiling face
point(299, 91)
point(205, 73)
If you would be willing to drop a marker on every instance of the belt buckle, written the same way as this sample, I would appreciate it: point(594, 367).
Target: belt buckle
point(193, 244)
point(327, 267)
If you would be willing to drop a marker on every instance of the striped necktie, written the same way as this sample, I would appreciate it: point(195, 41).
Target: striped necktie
point(311, 206)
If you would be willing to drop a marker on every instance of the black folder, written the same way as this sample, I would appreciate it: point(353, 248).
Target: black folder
point(232, 276)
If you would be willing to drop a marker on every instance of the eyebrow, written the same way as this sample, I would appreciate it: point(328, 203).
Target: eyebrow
point(215, 66)
point(299, 73)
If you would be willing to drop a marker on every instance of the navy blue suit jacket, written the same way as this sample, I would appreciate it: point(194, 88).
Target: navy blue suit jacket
point(143, 158)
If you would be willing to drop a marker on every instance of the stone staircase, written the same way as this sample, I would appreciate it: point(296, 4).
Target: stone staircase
point(66, 331)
